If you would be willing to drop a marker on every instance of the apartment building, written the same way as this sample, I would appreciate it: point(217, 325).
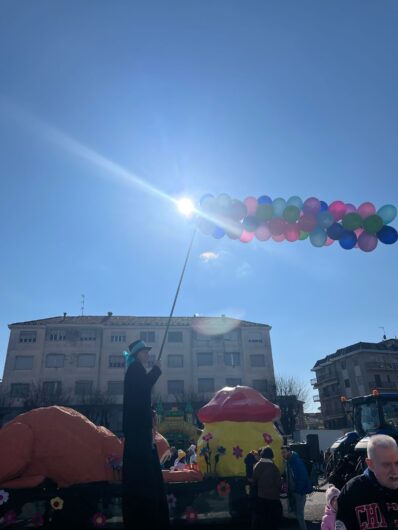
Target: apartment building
point(79, 355)
point(354, 371)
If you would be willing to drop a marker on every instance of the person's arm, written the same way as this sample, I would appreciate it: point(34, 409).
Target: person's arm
point(153, 375)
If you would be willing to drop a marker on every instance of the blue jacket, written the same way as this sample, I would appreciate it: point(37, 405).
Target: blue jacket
point(298, 478)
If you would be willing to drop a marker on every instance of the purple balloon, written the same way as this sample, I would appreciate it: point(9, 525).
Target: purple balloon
point(367, 242)
point(307, 222)
point(312, 205)
point(349, 208)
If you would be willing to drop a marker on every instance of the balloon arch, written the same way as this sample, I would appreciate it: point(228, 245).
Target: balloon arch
point(295, 220)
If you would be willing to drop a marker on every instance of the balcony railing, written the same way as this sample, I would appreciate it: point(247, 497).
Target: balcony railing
point(316, 398)
point(313, 381)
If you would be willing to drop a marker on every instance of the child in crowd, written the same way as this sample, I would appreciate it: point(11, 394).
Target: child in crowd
point(329, 519)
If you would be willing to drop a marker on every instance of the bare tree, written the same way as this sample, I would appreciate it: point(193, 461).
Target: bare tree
point(291, 395)
point(39, 397)
point(96, 406)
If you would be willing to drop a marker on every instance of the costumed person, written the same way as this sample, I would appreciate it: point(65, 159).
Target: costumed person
point(266, 486)
point(144, 498)
point(191, 455)
point(329, 518)
point(180, 462)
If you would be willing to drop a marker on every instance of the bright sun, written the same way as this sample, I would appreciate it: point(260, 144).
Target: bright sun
point(185, 206)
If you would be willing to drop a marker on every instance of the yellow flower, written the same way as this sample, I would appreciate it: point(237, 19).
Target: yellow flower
point(57, 503)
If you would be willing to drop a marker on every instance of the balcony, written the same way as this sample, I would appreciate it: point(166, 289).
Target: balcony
point(316, 398)
point(380, 365)
point(326, 378)
point(313, 381)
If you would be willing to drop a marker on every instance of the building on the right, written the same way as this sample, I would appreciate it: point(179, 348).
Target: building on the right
point(354, 371)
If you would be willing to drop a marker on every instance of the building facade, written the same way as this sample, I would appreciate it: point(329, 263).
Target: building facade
point(77, 356)
point(354, 371)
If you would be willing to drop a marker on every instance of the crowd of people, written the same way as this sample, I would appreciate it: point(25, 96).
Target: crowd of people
point(367, 501)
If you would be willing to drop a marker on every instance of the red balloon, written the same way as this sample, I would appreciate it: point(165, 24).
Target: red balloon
point(292, 232)
point(276, 226)
point(338, 210)
point(307, 222)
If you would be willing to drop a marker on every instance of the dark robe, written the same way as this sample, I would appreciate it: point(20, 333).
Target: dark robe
point(144, 499)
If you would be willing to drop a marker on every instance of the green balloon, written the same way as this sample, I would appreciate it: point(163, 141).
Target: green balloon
point(373, 224)
point(291, 214)
point(303, 235)
point(352, 221)
point(264, 212)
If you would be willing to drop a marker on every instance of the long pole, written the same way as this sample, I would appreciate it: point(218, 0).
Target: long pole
point(176, 295)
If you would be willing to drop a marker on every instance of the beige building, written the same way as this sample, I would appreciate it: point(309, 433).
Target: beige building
point(79, 355)
point(354, 371)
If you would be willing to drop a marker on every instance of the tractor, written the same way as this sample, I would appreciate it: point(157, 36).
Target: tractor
point(376, 413)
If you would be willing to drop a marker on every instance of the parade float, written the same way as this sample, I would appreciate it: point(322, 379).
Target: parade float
point(59, 469)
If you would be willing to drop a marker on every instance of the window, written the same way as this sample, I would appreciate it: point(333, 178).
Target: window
point(86, 360)
point(205, 385)
point(232, 336)
point(232, 359)
point(175, 361)
point(83, 388)
point(51, 388)
point(257, 360)
point(204, 359)
point(56, 335)
point(115, 388)
point(347, 383)
point(118, 338)
point(23, 362)
point(175, 387)
point(233, 381)
point(27, 336)
point(343, 365)
point(260, 384)
point(55, 360)
point(147, 336)
point(378, 380)
point(117, 361)
point(19, 390)
point(88, 335)
point(255, 337)
point(174, 336)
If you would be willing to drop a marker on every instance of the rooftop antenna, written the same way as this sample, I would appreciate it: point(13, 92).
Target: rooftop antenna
point(384, 332)
point(82, 304)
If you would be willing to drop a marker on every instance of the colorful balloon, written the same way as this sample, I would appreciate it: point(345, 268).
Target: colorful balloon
point(279, 206)
point(366, 209)
point(387, 235)
point(318, 237)
point(367, 242)
point(251, 205)
point(373, 224)
point(262, 232)
point(294, 220)
point(352, 221)
point(348, 239)
point(337, 209)
point(388, 213)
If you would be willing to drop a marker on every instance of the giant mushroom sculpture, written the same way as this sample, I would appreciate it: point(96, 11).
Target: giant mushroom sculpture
point(236, 421)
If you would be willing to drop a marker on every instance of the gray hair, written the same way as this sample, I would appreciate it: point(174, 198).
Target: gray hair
point(380, 440)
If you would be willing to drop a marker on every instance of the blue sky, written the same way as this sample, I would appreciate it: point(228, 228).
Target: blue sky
point(101, 103)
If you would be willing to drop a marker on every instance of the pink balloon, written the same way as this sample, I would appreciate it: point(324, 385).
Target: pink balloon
point(292, 232)
point(262, 232)
point(367, 242)
point(307, 222)
point(251, 205)
point(311, 205)
point(279, 238)
point(246, 237)
point(337, 209)
point(366, 209)
point(276, 226)
point(328, 242)
point(358, 232)
point(350, 208)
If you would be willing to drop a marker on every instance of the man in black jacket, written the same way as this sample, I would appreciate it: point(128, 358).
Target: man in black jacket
point(144, 500)
point(371, 500)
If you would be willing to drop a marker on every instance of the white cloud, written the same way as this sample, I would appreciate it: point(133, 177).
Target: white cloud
point(209, 256)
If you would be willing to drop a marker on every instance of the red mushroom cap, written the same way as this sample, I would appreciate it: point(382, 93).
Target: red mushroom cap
point(239, 403)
